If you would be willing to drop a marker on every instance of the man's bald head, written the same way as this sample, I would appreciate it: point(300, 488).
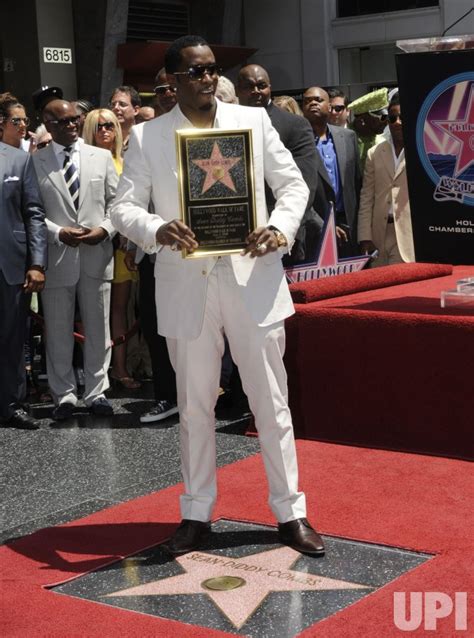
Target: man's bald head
point(62, 121)
point(253, 86)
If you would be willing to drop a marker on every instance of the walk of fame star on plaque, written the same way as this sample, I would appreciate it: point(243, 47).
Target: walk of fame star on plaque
point(216, 188)
point(244, 582)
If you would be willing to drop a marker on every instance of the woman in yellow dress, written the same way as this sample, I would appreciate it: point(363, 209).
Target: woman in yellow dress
point(102, 129)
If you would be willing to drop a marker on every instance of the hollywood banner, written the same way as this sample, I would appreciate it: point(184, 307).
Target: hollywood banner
point(437, 106)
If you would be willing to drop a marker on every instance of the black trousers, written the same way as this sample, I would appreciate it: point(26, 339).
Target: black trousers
point(14, 305)
point(164, 378)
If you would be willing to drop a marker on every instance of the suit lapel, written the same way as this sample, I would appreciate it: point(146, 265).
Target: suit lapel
point(400, 167)
point(387, 158)
point(340, 147)
point(87, 158)
point(51, 169)
point(3, 165)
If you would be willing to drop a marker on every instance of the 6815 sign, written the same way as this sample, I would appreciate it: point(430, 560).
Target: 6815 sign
point(56, 55)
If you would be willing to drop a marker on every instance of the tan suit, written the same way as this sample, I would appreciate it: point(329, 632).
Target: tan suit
point(83, 272)
point(198, 299)
point(382, 187)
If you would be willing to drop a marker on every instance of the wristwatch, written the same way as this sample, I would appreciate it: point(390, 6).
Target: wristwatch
point(280, 237)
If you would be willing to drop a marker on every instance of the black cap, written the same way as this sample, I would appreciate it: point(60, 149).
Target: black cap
point(46, 94)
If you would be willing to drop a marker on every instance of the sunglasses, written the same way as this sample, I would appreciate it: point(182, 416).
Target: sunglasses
point(198, 71)
point(109, 126)
point(394, 117)
point(43, 144)
point(65, 121)
point(16, 121)
point(379, 115)
point(338, 108)
point(161, 89)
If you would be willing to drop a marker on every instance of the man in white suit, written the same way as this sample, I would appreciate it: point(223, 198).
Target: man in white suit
point(384, 213)
point(244, 295)
point(77, 183)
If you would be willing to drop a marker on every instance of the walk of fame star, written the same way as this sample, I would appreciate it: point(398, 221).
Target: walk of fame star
point(463, 132)
point(217, 169)
point(262, 573)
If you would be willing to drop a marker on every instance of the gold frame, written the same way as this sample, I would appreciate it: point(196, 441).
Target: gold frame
point(183, 138)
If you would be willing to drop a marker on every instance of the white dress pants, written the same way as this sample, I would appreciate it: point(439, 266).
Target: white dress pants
point(94, 304)
point(258, 353)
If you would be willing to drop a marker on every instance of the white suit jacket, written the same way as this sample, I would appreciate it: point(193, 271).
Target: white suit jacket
point(150, 172)
point(382, 187)
point(98, 183)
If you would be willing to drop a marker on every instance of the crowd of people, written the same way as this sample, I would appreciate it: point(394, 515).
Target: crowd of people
point(58, 226)
point(90, 211)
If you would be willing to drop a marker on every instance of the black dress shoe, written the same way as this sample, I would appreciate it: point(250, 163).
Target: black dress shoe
point(189, 535)
point(101, 407)
point(22, 420)
point(299, 535)
point(63, 411)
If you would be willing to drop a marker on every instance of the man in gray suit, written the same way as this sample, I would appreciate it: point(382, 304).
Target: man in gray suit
point(78, 184)
point(23, 254)
point(339, 153)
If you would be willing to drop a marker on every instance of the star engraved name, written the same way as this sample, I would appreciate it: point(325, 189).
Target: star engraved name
point(217, 169)
point(264, 572)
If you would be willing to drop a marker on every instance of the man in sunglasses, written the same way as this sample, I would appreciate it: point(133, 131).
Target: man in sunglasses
point(244, 295)
point(165, 94)
point(339, 113)
point(370, 120)
point(384, 214)
point(77, 183)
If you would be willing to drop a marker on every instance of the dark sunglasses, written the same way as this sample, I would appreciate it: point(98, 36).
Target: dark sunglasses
point(16, 121)
point(198, 71)
point(394, 117)
point(338, 108)
point(66, 121)
point(380, 115)
point(162, 88)
point(109, 126)
point(43, 144)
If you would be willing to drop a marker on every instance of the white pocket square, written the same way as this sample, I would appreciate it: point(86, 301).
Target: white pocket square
point(13, 178)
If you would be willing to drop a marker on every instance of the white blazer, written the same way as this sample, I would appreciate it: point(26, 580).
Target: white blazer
point(150, 172)
point(98, 182)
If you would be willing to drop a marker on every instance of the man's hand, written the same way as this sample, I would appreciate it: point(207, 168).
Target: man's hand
point(177, 235)
point(260, 242)
point(367, 247)
point(94, 236)
point(71, 236)
point(341, 235)
point(34, 280)
point(129, 260)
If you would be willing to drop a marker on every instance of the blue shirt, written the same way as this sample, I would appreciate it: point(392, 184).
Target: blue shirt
point(328, 155)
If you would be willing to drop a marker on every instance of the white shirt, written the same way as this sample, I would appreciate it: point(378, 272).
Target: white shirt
point(61, 155)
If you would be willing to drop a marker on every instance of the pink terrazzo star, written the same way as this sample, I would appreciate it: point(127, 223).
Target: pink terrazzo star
point(263, 573)
point(217, 169)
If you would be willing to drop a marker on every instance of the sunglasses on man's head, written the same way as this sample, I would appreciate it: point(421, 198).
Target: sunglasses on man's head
point(198, 71)
point(162, 88)
point(338, 108)
point(109, 126)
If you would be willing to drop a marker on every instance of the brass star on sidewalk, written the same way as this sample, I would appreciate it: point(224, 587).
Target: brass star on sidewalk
point(217, 169)
point(252, 578)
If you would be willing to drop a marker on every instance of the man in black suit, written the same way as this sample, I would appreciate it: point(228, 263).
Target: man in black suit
point(23, 255)
point(339, 168)
point(254, 89)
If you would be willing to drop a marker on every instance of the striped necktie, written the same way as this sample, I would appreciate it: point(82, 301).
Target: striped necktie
point(71, 177)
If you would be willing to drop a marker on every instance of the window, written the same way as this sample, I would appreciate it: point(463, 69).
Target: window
point(152, 20)
point(348, 8)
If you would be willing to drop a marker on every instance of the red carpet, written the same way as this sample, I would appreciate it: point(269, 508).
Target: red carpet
point(410, 501)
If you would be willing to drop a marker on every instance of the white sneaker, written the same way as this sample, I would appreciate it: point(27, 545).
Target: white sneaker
point(162, 410)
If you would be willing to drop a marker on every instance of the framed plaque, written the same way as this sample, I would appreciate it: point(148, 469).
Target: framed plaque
point(216, 188)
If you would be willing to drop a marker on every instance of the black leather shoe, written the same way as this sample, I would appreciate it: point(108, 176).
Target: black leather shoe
point(189, 535)
point(101, 407)
point(63, 411)
point(22, 420)
point(299, 535)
